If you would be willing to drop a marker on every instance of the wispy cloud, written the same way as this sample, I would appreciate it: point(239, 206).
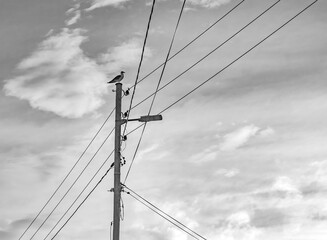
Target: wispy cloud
point(104, 3)
point(208, 3)
point(285, 184)
point(239, 227)
point(59, 78)
point(74, 13)
point(238, 138)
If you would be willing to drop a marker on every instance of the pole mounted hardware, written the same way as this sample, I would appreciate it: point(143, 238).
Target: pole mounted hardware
point(147, 118)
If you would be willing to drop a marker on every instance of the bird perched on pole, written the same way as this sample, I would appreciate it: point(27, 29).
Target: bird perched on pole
point(118, 78)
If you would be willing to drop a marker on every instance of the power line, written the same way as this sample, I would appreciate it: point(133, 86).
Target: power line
point(62, 182)
point(62, 198)
point(163, 212)
point(241, 56)
point(166, 60)
point(208, 54)
point(186, 46)
point(164, 215)
point(87, 196)
point(140, 63)
point(154, 96)
point(192, 41)
point(96, 173)
point(231, 63)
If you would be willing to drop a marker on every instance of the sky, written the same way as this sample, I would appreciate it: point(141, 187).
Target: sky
point(243, 157)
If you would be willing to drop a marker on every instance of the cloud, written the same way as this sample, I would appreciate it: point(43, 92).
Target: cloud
point(239, 227)
point(125, 55)
point(208, 3)
point(285, 184)
point(267, 132)
point(76, 15)
point(238, 138)
point(59, 78)
point(229, 173)
point(104, 3)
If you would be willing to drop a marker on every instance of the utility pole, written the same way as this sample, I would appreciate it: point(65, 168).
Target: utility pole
point(117, 163)
point(117, 186)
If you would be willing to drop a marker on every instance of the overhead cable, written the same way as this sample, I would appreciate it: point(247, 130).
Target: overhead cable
point(231, 63)
point(165, 216)
point(158, 85)
point(192, 41)
point(79, 195)
point(208, 54)
point(87, 196)
point(186, 46)
point(140, 63)
point(241, 56)
point(78, 177)
point(70, 171)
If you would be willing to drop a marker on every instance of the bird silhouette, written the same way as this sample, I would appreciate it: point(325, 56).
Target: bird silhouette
point(118, 78)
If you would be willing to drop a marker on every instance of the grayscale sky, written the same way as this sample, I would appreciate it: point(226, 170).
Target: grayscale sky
point(243, 157)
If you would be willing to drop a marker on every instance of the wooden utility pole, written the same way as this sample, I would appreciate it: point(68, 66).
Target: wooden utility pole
point(117, 185)
point(117, 163)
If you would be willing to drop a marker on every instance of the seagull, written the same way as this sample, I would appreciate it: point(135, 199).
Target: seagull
point(118, 78)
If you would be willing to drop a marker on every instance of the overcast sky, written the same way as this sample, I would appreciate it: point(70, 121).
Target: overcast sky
point(244, 157)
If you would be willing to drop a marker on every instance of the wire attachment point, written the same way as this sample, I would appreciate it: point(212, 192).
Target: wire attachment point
point(126, 93)
point(125, 114)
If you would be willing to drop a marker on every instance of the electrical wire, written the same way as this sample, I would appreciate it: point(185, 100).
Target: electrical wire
point(193, 65)
point(162, 211)
point(62, 198)
point(161, 215)
point(166, 60)
point(231, 63)
point(62, 182)
point(208, 54)
point(157, 87)
point(140, 64)
point(179, 51)
point(96, 173)
point(186, 46)
point(192, 41)
point(87, 196)
point(241, 56)
point(164, 215)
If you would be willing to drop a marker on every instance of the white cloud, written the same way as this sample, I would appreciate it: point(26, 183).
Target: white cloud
point(285, 184)
point(239, 227)
point(125, 55)
point(267, 132)
point(227, 172)
point(238, 138)
point(104, 3)
point(59, 78)
point(76, 15)
point(208, 3)
point(239, 219)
